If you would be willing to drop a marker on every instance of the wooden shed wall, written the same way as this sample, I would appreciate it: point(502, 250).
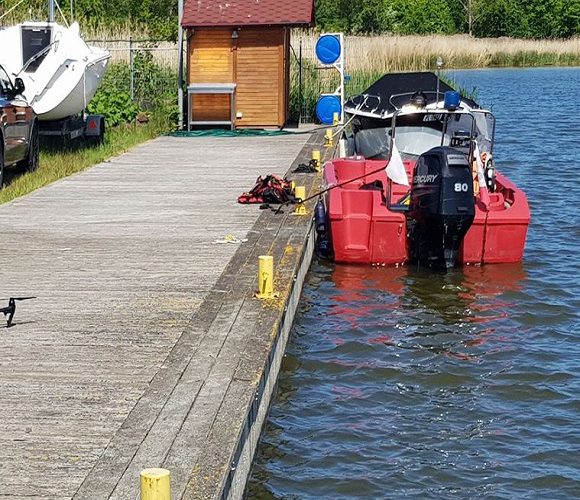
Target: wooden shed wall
point(211, 61)
point(257, 62)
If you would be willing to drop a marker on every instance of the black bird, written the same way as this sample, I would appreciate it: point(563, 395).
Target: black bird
point(11, 309)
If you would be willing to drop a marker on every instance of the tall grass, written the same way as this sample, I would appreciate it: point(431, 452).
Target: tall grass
point(385, 53)
point(370, 57)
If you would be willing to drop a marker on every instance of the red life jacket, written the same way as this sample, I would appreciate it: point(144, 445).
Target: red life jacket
point(269, 189)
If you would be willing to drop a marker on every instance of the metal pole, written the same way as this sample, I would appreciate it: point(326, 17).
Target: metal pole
point(342, 64)
point(72, 16)
point(180, 64)
point(51, 11)
point(132, 68)
point(439, 64)
point(300, 94)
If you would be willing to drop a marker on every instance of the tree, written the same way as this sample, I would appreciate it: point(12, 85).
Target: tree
point(332, 15)
point(469, 6)
point(423, 17)
point(552, 18)
point(500, 18)
point(372, 16)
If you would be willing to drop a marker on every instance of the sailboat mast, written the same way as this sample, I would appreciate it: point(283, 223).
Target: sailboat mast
point(51, 11)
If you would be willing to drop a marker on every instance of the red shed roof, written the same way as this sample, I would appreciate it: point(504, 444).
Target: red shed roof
point(198, 13)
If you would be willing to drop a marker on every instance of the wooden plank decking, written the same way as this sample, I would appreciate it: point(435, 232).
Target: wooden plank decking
point(120, 258)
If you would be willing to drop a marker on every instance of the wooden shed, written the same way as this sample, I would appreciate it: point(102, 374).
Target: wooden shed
point(238, 60)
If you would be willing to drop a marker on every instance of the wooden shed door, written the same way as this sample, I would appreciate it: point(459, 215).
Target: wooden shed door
point(211, 61)
point(259, 69)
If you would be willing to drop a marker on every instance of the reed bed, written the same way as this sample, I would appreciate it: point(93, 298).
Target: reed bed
point(370, 57)
point(383, 53)
point(378, 53)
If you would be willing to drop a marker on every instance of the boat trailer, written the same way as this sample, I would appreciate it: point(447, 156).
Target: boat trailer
point(89, 127)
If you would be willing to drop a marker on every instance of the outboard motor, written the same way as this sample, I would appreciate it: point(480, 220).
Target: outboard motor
point(442, 206)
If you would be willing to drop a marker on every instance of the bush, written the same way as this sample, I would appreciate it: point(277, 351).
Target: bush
point(155, 92)
point(113, 99)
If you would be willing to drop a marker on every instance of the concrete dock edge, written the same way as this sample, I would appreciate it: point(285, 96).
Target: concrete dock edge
point(236, 479)
point(293, 249)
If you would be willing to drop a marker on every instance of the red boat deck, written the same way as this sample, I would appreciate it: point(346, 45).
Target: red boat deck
point(365, 231)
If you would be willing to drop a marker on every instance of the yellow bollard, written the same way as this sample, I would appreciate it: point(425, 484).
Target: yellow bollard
point(328, 138)
point(265, 277)
point(155, 484)
point(300, 193)
point(316, 159)
point(335, 119)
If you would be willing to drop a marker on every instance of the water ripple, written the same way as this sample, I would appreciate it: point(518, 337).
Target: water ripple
point(407, 384)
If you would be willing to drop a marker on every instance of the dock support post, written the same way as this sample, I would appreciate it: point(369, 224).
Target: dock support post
point(265, 277)
point(300, 193)
point(155, 484)
point(316, 159)
point(328, 138)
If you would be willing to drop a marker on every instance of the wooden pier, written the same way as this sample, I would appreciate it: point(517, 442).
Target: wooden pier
point(145, 346)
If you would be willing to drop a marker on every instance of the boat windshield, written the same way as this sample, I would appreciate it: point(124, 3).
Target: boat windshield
point(414, 141)
point(417, 133)
point(484, 130)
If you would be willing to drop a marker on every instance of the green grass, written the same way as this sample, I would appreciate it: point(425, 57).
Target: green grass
point(59, 162)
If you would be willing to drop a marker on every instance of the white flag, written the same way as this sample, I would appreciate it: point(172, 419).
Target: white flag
point(483, 193)
point(395, 168)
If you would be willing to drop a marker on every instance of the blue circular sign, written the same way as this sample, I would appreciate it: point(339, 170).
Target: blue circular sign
point(326, 106)
point(328, 49)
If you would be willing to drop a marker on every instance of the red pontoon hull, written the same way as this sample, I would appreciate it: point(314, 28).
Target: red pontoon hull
point(364, 231)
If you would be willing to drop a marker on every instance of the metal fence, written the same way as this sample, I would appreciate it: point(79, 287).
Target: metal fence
point(145, 68)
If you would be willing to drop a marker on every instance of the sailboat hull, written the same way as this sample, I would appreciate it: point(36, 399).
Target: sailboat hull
point(61, 73)
point(72, 93)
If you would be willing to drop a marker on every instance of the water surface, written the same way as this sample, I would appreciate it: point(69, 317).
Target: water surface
point(409, 383)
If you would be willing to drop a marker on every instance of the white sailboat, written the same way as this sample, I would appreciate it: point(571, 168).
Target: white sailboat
point(61, 73)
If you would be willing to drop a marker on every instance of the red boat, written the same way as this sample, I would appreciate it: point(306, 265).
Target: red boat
point(455, 209)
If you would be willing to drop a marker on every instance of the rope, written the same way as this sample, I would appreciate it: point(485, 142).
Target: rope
point(63, 18)
point(340, 184)
point(85, 88)
point(10, 10)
